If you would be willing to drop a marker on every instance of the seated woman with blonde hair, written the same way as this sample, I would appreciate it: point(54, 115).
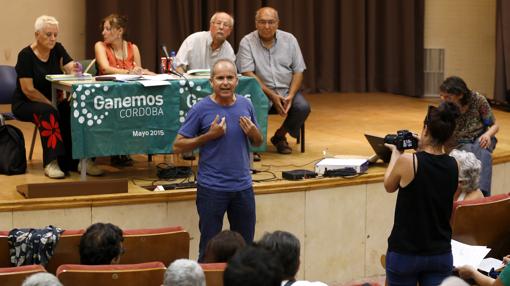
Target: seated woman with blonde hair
point(469, 175)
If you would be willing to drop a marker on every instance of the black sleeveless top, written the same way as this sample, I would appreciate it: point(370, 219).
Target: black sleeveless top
point(424, 206)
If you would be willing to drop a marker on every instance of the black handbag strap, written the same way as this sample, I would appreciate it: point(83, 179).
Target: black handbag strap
point(290, 282)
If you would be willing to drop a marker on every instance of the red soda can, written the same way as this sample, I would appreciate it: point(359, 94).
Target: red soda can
point(163, 65)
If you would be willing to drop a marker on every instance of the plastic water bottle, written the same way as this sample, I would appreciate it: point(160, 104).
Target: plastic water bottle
point(172, 61)
point(78, 69)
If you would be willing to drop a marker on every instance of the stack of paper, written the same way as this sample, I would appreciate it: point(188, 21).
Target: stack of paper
point(60, 77)
point(465, 254)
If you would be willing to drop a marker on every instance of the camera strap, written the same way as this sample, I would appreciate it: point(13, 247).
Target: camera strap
point(414, 165)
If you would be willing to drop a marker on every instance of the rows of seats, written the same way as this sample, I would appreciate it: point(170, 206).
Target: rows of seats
point(148, 273)
point(484, 222)
point(147, 251)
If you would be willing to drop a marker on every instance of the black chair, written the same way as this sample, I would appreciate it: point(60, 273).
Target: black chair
point(8, 78)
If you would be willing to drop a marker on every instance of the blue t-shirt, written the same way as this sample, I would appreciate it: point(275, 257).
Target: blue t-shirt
point(224, 163)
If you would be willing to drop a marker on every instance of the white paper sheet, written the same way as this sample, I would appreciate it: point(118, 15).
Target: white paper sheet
point(465, 254)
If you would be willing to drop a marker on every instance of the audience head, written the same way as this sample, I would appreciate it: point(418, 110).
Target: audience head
point(101, 244)
point(41, 279)
point(454, 89)
point(114, 27)
point(469, 170)
point(43, 21)
point(266, 22)
point(223, 246)
point(46, 31)
point(221, 26)
point(184, 272)
point(253, 266)
point(287, 247)
point(439, 123)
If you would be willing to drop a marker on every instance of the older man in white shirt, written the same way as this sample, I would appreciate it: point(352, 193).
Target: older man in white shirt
point(201, 50)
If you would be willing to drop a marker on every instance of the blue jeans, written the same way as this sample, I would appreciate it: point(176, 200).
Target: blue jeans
point(211, 207)
point(402, 269)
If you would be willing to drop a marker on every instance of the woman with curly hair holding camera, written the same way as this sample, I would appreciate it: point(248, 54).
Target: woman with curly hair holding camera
point(419, 249)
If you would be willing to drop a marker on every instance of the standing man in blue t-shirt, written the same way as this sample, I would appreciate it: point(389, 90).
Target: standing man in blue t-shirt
point(223, 126)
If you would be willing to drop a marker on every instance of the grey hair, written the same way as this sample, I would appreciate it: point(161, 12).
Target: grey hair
point(41, 279)
point(257, 14)
point(469, 170)
point(184, 272)
point(222, 61)
point(213, 18)
point(43, 21)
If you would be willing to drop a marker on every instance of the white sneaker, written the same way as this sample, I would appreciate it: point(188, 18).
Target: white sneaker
point(92, 169)
point(53, 171)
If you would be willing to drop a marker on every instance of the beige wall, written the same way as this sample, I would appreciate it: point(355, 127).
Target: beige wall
point(466, 29)
point(17, 19)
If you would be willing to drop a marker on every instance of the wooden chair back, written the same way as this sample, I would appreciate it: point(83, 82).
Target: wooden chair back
point(156, 244)
point(16, 275)
point(149, 273)
point(67, 250)
point(484, 221)
point(213, 273)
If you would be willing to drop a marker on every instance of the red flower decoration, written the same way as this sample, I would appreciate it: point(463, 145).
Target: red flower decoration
point(52, 131)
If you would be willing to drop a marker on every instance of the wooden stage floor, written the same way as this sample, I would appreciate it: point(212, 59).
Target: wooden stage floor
point(335, 127)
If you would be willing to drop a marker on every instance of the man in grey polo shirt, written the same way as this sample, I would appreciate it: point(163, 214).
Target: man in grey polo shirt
point(201, 50)
point(274, 58)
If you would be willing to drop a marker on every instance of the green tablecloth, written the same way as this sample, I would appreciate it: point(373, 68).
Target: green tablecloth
point(114, 118)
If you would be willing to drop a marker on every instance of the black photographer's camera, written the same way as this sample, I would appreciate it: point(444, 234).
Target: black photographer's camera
point(403, 140)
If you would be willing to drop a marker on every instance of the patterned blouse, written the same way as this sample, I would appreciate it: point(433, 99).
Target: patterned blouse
point(475, 121)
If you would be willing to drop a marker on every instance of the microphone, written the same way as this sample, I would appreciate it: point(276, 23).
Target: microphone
point(165, 52)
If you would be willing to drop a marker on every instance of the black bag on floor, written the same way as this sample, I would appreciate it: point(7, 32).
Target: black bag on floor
point(13, 158)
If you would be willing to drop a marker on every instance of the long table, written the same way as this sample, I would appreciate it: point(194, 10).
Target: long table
point(115, 118)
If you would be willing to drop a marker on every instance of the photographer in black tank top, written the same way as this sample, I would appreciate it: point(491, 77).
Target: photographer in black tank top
point(419, 245)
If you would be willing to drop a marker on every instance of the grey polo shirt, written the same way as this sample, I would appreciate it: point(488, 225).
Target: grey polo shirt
point(196, 53)
point(274, 66)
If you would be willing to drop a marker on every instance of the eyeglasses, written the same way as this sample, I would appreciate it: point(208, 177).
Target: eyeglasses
point(219, 23)
point(221, 79)
point(266, 22)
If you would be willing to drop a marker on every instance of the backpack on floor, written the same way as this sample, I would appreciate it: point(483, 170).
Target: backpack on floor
point(13, 158)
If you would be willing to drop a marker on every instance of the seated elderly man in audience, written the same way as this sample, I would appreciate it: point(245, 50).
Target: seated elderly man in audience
point(41, 279)
point(287, 248)
point(201, 50)
point(253, 266)
point(469, 175)
point(101, 244)
point(223, 246)
point(184, 272)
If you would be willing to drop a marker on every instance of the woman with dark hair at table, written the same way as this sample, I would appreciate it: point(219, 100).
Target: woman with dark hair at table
point(114, 55)
point(476, 125)
point(419, 249)
point(32, 99)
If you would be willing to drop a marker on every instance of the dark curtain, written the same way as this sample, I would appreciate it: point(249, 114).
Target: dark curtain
point(502, 82)
point(348, 45)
